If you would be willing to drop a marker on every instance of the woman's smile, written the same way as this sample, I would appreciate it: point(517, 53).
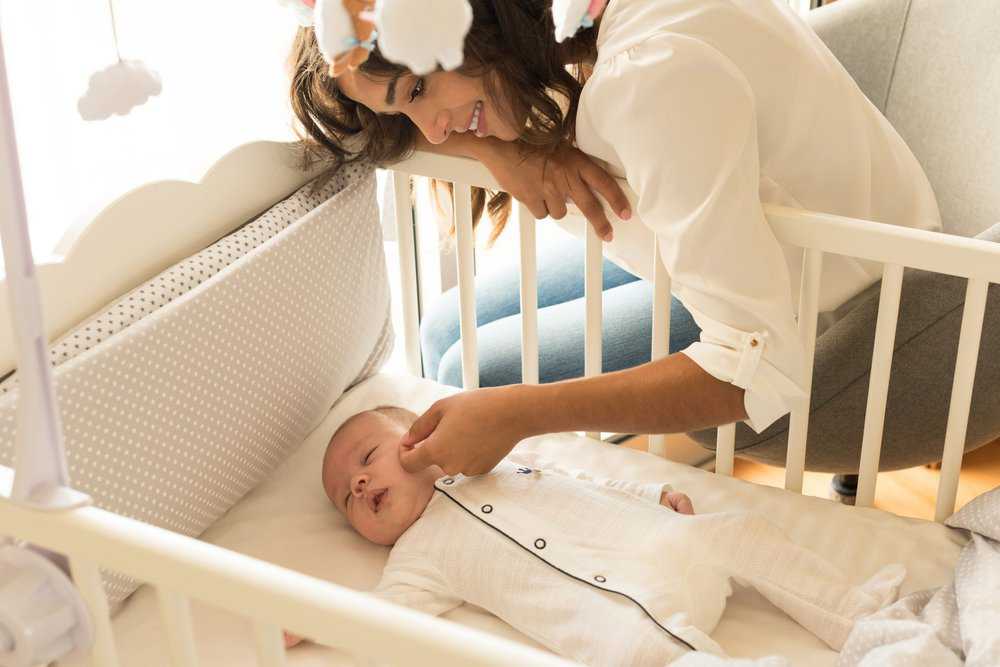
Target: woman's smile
point(476, 122)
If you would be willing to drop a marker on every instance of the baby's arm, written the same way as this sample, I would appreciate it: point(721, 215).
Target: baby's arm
point(660, 492)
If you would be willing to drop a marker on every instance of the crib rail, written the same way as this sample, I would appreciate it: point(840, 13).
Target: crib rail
point(817, 233)
point(183, 568)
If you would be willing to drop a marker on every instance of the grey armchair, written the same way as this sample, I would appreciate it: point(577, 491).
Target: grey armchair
point(933, 68)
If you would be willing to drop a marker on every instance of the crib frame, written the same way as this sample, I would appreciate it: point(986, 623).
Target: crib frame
point(817, 233)
point(182, 568)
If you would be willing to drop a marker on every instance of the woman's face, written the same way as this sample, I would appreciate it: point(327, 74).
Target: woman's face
point(438, 104)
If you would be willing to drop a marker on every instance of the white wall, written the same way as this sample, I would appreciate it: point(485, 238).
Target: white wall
point(222, 66)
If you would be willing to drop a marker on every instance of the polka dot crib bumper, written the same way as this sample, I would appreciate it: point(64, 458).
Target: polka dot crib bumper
point(181, 396)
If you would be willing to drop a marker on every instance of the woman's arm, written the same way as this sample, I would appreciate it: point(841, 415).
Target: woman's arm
point(545, 185)
point(669, 395)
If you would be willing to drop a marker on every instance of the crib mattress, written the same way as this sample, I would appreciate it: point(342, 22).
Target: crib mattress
point(288, 520)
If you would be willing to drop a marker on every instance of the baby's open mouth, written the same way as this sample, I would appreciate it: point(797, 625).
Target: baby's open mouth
point(377, 499)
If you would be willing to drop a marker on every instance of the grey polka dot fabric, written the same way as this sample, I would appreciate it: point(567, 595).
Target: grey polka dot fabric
point(191, 272)
point(955, 624)
point(196, 385)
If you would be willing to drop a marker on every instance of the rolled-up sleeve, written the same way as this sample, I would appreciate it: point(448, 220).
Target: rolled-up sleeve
point(680, 119)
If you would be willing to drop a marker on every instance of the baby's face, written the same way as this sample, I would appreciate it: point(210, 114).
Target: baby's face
point(363, 478)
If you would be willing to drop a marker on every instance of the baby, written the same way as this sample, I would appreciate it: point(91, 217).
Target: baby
point(601, 571)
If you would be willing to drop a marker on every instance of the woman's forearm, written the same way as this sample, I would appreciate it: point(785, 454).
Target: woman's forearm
point(670, 395)
point(461, 144)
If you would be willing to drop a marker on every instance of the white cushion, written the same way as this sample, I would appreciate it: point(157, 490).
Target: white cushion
point(171, 420)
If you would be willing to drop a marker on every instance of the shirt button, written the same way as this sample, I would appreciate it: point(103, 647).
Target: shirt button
point(753, 342)
point(600, 579)
point(487, 509)
point(539, 543)
point(448, 480)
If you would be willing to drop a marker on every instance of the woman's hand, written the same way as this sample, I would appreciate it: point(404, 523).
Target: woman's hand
point(545, 185)
point(467, 433)
point(677, 501)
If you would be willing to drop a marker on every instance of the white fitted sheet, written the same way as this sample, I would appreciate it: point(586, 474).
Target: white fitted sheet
point(288, 520)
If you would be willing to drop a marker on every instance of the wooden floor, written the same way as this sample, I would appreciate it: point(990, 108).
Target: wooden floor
point(909, 492)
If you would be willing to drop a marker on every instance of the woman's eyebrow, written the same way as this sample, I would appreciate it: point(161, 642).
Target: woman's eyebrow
point(390, 91)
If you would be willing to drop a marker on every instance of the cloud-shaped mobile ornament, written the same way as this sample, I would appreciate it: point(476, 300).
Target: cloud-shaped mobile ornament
point(571, 15)
point(421, 35)
point(119, 88)
point(418, 34)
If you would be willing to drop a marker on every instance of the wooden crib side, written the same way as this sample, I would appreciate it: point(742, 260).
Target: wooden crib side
point(817, 233)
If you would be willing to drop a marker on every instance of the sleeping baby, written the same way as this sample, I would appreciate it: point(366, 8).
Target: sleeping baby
point(605, 572)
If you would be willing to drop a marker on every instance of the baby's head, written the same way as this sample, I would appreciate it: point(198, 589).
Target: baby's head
point(363, 478)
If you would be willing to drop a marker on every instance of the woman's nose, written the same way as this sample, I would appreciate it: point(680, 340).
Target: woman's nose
point(435, 126)
point(358, 484)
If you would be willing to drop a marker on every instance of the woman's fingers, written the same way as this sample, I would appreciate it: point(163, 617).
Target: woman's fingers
point(591, 208)
point(467, 433)
point(597, 179)
point(538, 208)
point(555, 202)
point(423, 427)
point(419, 457)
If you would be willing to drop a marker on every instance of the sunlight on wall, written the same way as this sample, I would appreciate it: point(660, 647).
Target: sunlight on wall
point(224, 83)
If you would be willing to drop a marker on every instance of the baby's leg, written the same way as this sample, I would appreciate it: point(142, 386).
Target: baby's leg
point(798, 581)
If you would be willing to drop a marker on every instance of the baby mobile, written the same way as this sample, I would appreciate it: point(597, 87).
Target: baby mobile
point(120, 87)
point(420, 35)
point(417, 34)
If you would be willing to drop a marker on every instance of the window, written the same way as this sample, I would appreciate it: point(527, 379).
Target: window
point(224, 83)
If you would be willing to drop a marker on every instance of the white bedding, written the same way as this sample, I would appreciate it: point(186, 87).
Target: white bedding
point(288, 520)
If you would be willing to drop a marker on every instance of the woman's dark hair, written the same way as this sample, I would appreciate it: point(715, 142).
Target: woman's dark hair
point(511, 45)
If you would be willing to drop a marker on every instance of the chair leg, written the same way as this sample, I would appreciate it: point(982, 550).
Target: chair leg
point(844, 489)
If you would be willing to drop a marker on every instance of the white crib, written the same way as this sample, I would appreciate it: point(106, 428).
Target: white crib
point(183, 569)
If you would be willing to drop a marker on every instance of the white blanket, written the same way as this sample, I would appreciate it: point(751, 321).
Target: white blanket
point(946, 626)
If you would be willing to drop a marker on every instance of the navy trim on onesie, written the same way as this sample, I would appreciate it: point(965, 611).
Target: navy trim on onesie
point(571, 576)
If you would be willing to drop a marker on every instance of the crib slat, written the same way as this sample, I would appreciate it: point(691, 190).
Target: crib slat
point(661, 331)
point(466, 257)
point(725, 449)
point(961, 397)
point(878, 386)
point(87, 578)
point(175, 611)
point(593, 283)
point(529, 296)
point(270, 644)
point(407, 270)
point(795, 458)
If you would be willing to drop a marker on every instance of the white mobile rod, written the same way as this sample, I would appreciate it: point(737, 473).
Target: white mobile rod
point(44, 616)
point(40, 463)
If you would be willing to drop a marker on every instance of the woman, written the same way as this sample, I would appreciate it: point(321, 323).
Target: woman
point(707, 108)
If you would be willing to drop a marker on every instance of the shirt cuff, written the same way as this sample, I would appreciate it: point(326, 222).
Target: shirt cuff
point(768, 395)
point(652, 492)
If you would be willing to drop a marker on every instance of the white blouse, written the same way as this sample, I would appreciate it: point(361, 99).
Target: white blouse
point(707, 108)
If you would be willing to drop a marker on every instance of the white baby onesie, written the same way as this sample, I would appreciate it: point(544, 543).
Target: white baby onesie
point(599, 571)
